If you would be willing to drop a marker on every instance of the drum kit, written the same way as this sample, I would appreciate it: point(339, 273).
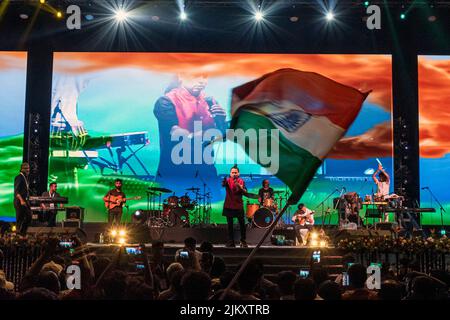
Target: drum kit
point(263, 215)
point(176, 210)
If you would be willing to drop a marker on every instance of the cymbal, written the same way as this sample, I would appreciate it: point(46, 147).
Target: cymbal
point(278, 191)
point(251, 195)
point(193, 189)
point(163, 190)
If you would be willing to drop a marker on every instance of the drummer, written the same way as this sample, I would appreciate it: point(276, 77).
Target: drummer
point(266, 194)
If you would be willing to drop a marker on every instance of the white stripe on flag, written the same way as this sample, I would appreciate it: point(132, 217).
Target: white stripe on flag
point(317, 135)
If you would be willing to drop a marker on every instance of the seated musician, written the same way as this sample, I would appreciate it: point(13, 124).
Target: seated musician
point(304, 220)
point(114, 201)
point(382, 182)
point(50, 214)
point(265, 193)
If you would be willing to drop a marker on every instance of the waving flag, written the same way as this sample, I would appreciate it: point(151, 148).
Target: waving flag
point(310, 111)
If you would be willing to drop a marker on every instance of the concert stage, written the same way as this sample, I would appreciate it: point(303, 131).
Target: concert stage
point(216, 234)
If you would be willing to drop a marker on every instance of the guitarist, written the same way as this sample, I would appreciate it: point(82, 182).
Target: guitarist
point(114, 201)
point(303, 219)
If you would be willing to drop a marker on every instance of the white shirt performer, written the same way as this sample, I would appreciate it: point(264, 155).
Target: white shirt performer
point(382, 182)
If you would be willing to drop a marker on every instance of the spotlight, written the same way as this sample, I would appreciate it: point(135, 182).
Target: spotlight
point(59, 14)
point(89, 17)
point(402, 16)
point(14, 228)
point(314, 243)
point(293, 19)
point(314, 235)
point(121, 241)
point(329, 16)
point(41, 1)
point(113, 233)
point(259, 16)
point(122, 233)
point(322, 243)
point(366, 3)
point(121, 15)
point(183, 16)
point(23, 16)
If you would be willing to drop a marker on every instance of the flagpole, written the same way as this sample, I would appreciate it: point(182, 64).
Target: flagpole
point(250, 256)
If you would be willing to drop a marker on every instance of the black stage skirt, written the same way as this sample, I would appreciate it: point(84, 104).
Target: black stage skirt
point(233, 213)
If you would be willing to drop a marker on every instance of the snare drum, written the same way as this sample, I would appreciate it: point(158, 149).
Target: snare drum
point(185, 201)
point(251, 209)
point(269, 203)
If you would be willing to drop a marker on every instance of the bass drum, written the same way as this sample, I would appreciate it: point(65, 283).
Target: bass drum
point(178, 217)
point(251, 209)
point(263, 217)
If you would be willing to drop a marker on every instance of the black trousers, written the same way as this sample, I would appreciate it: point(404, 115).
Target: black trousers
point(50, 217)
point(23, 218)
point(114, 216)
point(242, 228)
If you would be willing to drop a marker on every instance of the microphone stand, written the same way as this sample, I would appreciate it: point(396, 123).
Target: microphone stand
point(322, 204)
point(441, 208)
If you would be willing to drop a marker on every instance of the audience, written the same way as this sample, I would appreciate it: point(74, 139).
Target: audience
point(330, 290)
point(202, 275)
point(357, 275)
point(285, 281)
point(305, 289)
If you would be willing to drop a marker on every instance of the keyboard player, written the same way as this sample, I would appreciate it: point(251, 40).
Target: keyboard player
point(50, 212)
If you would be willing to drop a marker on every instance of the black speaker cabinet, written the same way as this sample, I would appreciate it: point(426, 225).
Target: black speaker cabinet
point(73, 213)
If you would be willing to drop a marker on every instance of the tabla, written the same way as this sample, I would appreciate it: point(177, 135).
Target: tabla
point(263, 217)
point(251, 209)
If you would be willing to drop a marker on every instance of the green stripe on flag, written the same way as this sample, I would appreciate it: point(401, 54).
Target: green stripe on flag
point(297, 166)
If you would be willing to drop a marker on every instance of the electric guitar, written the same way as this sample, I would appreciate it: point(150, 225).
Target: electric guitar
point(115, 201)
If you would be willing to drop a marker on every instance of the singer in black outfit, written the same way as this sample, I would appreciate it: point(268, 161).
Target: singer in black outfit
point(21, 194)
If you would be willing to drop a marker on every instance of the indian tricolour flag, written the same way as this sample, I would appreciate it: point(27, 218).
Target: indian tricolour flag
point(310, 111)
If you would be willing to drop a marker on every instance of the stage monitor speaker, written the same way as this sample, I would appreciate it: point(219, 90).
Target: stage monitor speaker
point(75, 213)
point(351, 234)
point(57, 231)
point(389, 226)
point(287, 236)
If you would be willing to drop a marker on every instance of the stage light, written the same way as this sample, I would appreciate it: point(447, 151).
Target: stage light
point(314, 235)
point(183, 16)
point(443, 232)
point(13, 228)
point(322, 243)
point(314, 243)
point(23, 16)
point(432, 18)
point(121, 241)
point(113, 233)
point(293, 19)
point(59, 14)
point(329, 16)
point(259, 15)
point(366, 3)
point(122, 233)
point(402, 16)
point(121, 15)
point(41, 1)
point(89, 17)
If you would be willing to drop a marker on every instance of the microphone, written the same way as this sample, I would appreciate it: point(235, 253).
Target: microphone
point(425, 188)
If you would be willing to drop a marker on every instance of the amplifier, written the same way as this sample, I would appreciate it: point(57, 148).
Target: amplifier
point(75, 213)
